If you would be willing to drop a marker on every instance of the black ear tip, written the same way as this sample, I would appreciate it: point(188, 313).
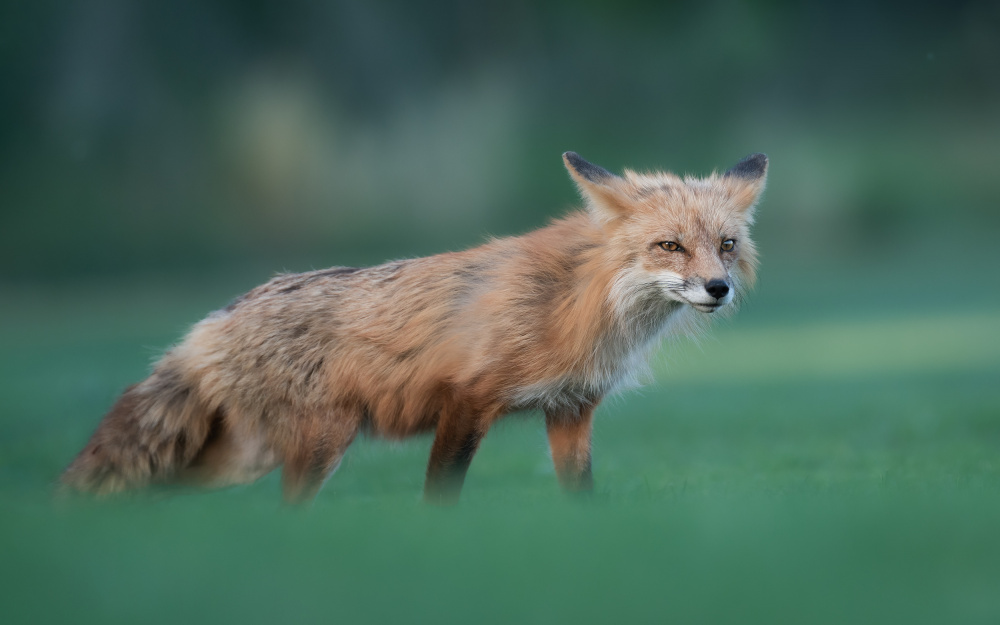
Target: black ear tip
point(593, 173)
point(759, 158)
point(751, 167)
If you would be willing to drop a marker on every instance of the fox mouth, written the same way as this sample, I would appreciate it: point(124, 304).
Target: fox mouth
point(706, 308)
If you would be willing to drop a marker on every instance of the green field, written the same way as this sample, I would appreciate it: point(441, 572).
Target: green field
point(802, 463)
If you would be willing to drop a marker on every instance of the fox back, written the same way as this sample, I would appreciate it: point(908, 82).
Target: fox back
point(553, 320)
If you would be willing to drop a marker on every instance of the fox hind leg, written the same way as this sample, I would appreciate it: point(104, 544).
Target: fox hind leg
point(314, 455)
point(569, 439)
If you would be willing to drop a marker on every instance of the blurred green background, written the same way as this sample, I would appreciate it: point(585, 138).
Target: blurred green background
point(830, 455)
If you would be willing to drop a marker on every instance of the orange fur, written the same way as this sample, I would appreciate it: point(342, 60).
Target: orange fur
point(551, 320)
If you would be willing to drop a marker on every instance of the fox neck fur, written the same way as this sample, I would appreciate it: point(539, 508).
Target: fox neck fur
point(600, 321)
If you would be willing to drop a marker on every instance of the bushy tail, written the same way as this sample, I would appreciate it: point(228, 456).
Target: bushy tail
point(155, 429)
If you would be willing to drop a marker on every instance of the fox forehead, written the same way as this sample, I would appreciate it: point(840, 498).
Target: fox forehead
point(685, 208)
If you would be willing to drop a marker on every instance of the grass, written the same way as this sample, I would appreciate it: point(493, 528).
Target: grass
point(806, 467)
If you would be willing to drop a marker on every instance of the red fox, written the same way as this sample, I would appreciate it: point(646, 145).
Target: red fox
point(553, 320)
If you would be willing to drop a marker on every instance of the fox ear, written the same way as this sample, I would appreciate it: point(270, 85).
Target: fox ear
point(602, 190)
point(747, 179)
point(753, 167)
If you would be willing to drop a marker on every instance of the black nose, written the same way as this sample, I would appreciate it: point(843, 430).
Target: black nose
point(717, 288)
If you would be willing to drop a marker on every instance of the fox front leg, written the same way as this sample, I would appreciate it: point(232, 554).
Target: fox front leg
point(455, 443)
point(569, 440)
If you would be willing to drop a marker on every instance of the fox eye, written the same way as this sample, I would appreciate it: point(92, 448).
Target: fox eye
point(670, 246)
point(728, 245)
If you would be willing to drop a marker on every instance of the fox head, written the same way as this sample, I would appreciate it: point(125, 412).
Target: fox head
point(687, 239)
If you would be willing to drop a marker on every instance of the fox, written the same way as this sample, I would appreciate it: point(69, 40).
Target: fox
point(552, 321)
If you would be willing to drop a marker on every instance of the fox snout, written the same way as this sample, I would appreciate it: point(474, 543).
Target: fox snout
point(717, 288)
point(711, 295)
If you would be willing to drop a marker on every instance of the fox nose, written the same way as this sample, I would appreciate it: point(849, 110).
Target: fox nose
point(717, 288)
